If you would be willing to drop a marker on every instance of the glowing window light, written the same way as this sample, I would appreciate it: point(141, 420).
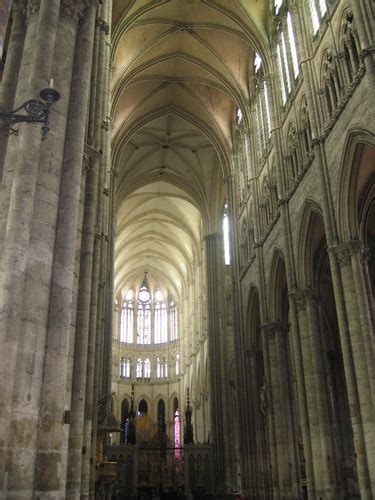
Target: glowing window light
point(239, 116)
point(322, 7)
point(293, 45)
point(278, 4)
point(282, 81)
point(268, 112)
point(285, 61)
point(314, 16)
point(257, 62)
point(226, 236)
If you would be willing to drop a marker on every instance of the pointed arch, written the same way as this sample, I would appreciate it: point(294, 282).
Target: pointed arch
point(278, 289)
point(311, 234)
point(357, 174)
point(253, 331)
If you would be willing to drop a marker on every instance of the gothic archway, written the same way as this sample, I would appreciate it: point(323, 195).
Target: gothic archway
point(288, 480)
point(326, 364)
point(258, 400)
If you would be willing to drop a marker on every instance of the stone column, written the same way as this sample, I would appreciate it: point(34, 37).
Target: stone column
point(50, 453)
point(77, 454)
point(101, 103)
point(99, 136)
point(39, 268)
point(356, 336)
point(215, 286)
point(42, 30)
point(12, 67)
point(316, 391)
point(259, 421)
point(299, 325)
point(282, 420)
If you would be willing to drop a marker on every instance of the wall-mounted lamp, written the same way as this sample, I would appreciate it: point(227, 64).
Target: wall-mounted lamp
point(37, 111)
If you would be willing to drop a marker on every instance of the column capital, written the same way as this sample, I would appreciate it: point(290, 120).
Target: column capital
point(301, 297)
point(345, 251)
point(276, 328)
point(73, 9)
point(312, 296)
point(298, 299)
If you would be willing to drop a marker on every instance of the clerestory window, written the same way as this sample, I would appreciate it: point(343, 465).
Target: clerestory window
point(149, 317)
point(287, 56)
point(318, 9)
point(226, 235)
point(144, 316)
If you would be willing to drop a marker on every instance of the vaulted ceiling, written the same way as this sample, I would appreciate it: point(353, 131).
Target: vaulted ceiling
point(181, 68)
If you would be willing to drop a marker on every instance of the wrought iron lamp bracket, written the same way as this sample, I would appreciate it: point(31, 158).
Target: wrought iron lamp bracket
point(36, 111)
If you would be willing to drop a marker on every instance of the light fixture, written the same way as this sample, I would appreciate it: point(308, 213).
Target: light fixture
point(37, 111)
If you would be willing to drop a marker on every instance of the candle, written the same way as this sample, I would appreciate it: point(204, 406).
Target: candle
point(51, 83)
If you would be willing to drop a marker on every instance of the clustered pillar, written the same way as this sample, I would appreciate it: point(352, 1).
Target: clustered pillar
point(54, 233)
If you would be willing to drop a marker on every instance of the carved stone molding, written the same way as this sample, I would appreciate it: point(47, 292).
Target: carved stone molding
point(107, 124)
point(344, 252)
point(86, 163)
point(343, 256)
point(276, 328)
point(298, 298)
point(102, 25)
point(73, 9)
point(32, 8)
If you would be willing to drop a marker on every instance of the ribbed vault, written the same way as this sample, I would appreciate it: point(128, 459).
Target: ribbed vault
point(180, 71)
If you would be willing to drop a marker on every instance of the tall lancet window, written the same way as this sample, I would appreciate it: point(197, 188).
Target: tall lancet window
point(127, 318)
point(144, 316)
point(318, 9)
point(125, 366)
point(161, 368)
point(177, 364)
point(173, 320)
point(160, 319)
point(147, 368)
point(263, 110)
point(226, 235)
point(139, 369)
point(286, 50)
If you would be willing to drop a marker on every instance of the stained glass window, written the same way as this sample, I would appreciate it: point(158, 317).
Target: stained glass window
point(127, 319)
point(144, 316)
